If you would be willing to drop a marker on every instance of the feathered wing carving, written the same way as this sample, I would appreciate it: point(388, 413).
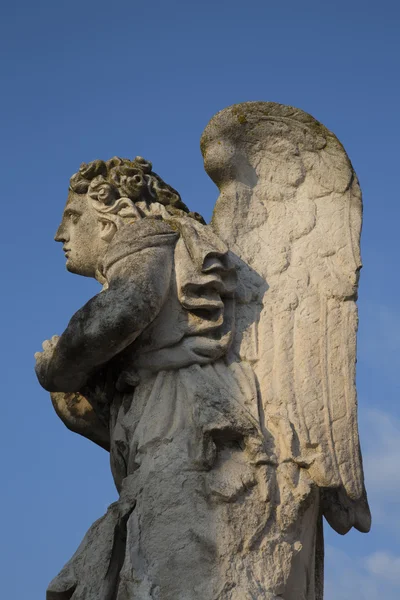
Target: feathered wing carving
point(290, 210)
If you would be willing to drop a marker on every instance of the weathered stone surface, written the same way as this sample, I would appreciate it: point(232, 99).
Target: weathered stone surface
point(217, 365)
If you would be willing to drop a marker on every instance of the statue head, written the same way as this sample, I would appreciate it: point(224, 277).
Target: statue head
point(104, 196)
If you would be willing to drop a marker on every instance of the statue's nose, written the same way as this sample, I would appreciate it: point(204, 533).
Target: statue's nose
point(60, 235)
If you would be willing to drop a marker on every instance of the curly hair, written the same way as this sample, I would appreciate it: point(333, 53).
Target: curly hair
point(121, 178)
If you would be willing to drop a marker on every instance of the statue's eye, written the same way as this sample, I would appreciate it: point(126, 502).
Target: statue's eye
point(73, 217)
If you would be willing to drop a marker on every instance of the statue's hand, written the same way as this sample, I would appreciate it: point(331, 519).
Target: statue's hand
point(43, 358)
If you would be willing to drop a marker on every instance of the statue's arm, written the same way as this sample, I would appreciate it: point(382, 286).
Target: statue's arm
point(78, 415)
point(109, 322)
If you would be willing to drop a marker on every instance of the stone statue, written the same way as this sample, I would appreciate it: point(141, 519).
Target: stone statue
point(217, 365)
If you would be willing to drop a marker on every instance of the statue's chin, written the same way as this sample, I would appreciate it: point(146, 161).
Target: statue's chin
point(79, 269)
point(72, 268)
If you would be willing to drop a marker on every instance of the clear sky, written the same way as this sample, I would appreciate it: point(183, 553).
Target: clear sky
point(82, 80)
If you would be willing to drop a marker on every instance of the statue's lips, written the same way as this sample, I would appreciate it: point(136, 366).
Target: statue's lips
point(66, 251)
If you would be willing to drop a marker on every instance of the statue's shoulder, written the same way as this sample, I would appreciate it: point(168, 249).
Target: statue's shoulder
point(144, 233)
point(139, 235)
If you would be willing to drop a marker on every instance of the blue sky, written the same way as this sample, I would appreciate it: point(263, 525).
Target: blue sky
point(85, 80)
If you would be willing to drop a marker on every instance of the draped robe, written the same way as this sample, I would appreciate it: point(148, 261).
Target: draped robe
point(187, 453)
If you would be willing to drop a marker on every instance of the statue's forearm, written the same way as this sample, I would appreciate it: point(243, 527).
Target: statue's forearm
point(78, 415)
point(97, 332)
point(110, 321)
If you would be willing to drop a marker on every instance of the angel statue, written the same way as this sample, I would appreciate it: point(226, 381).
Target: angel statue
point(217, 365)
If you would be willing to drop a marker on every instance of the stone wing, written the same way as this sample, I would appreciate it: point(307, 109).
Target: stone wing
point(290, 211)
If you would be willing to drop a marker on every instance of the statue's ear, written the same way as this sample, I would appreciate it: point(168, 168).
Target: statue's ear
point(112, 217)
point(107, 229)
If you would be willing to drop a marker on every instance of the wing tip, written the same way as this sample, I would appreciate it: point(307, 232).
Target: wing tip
point(343, 513)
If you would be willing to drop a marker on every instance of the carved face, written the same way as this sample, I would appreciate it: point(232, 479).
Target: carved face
point(80, 234)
